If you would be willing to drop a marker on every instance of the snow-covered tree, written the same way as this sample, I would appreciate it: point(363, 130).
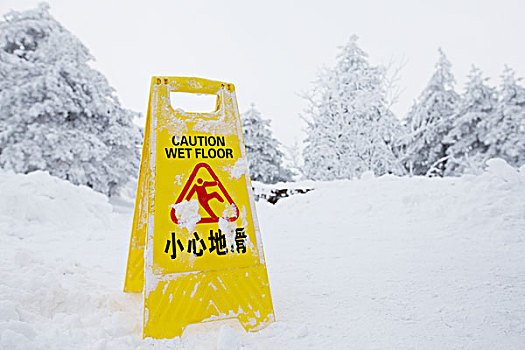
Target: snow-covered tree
point(293, 159)
point(429, 121)
point(467, 152)
point(505, 135)
point(56, 112)
point(350, 129)
point(265, 160)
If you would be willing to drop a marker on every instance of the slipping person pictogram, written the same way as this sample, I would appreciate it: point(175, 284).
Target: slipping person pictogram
point(204, 197)
point(200, 189)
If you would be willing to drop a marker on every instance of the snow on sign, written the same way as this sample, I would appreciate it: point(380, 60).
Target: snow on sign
point(195, 249)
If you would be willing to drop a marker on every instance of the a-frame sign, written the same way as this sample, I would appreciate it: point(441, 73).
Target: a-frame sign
point(195, 250)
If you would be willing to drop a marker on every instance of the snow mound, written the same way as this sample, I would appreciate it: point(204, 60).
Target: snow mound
point(380, 262)
point(500, 168)
point(41, 199)
point(57, 242)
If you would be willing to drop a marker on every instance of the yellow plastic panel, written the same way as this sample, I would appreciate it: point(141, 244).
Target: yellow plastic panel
point(134, 281)
point(204, 259)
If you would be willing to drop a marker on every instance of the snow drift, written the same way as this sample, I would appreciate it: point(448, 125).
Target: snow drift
point(383, 262)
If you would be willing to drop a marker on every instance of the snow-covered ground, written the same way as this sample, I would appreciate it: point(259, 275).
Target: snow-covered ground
point(376, 263)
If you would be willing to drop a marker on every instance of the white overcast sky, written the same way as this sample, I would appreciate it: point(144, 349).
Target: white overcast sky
point(272, 50)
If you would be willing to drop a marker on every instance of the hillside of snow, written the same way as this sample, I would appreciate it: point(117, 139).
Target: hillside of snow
point(375, 263)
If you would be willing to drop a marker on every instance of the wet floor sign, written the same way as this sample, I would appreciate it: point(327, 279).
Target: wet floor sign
point(195, 250)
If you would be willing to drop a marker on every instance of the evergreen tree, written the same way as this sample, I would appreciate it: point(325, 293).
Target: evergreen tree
point(429, 121)
point(505, 136)
point(293, 159)
point(265, 160)
point(350, 129)
point(477, 106)
point(57, 113)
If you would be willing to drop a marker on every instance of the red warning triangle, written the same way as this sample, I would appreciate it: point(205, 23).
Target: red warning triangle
point(198, 189)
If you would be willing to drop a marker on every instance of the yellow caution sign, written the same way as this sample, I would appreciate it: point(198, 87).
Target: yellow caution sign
point(195, 249)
